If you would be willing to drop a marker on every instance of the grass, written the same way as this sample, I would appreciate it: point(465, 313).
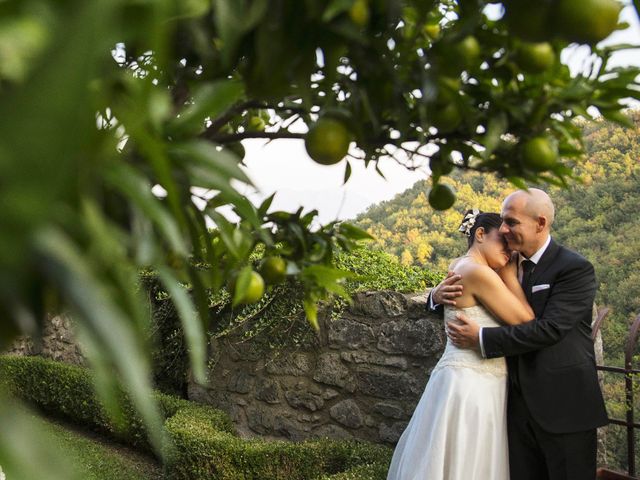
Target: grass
point(98, 459)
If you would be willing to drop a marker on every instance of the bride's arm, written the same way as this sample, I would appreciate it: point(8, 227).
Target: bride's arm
point(497, 296)
point(509, 275)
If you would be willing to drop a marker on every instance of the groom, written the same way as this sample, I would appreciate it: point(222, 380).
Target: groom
point(555, 403)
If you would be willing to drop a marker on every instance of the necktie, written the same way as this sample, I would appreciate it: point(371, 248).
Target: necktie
point(527, 268)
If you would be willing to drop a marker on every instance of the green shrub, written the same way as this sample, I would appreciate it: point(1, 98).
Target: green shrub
point(200, 451)
point(66, 391)
point(369, 471)
point(203, 444)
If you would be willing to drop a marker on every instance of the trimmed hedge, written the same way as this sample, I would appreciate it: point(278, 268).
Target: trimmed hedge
point(201, 452)
point(203, 440)
point(66, 391)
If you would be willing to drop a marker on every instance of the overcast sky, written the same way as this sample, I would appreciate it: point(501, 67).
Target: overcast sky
point(284, 166)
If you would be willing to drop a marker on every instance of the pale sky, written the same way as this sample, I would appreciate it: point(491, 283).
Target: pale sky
point(284, 166)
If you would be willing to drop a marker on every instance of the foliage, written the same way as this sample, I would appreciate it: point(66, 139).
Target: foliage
point(202, 452)
point(277, 320)
point(371, 471)
point(121, 119)
point(66, 391)
point(97, 460)
point(202, 442)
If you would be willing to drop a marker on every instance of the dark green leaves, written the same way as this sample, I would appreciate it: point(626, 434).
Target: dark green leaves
point(209, 100)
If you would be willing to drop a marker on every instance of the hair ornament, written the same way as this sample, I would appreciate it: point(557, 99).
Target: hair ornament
point(469, 221)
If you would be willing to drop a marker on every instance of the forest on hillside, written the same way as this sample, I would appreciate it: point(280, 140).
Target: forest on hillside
point(598, 217)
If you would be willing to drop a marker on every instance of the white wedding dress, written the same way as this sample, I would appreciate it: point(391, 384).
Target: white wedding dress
point(458, 430)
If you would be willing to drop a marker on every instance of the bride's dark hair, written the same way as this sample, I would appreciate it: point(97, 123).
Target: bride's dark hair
point(474, 219)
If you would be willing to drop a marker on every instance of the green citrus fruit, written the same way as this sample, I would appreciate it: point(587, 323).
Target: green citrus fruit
point(442, 197)
point(431, 30)
point(585, 21)
point(528, 20)
point(535, 57)
point(254, 290)
point(328, 141)
point(256, 124)
point(273, 270)
point(446, 118)
point(359, 13)
point(440, 164)
point(466, 51)
point(539, 154)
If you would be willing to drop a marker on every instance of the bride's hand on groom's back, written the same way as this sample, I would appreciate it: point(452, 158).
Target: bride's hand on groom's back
point(446, 292)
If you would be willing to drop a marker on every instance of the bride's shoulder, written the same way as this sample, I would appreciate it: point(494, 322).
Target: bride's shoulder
point(474, 271)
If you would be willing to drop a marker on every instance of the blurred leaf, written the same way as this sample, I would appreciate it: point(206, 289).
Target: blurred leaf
point(138, 190)
point(495, 130)
point(311, 311)
point(354, 233)
point(22, 39)
point(233, 19)
point(336, 7)
point(209, 100)
point(617, 116)
point(27, 451)
point(347, 173)
point(191, 324)
point(241, 285)
point(327, 277)
point(264, 206)
point(209, 166)
point(91, 298)
point(226, 229)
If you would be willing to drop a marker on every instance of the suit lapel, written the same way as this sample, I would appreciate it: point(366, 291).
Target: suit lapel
point(545, 262)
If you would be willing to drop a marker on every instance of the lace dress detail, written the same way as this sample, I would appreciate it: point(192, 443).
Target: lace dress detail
point(465, 358)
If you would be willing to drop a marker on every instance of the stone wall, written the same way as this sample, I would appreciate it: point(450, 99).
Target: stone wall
point(363, 381)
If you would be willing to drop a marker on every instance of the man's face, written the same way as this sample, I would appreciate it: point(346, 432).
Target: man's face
point(520, 230)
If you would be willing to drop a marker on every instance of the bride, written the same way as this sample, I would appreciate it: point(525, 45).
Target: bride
point(458, 430)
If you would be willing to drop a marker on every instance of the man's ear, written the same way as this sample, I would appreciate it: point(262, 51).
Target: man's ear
point(542, 223)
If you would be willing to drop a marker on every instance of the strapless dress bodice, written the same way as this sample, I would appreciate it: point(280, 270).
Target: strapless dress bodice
point(466, 358)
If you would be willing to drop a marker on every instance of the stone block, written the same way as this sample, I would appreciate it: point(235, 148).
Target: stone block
point(331, 371)
point(423, 338)
point(268, 390)
point(374, 359)
point(305, 395)
point(240, 382)
point(386, 384)
point(348, 413)
point(296, 364)
point(389, 410)
point(379, 304)
point(348, 333)
point(391, 433)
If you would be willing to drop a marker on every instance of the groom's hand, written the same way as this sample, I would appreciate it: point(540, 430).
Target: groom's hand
point(445, 293)
point(465, 333)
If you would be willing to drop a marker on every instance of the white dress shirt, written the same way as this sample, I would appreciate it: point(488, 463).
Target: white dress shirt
point(535, 258)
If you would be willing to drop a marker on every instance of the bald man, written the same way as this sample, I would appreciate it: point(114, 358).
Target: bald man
point(555, 404)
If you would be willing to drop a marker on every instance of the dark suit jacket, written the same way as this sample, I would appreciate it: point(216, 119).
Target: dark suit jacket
point(552, 357)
